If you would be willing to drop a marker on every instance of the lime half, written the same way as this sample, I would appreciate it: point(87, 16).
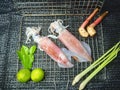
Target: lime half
point(37, 75)
point(23, 75)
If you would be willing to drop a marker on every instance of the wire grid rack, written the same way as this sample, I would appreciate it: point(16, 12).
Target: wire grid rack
point(73, 13)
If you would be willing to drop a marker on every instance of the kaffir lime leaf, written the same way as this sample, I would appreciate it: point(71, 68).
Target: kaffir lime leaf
point(23, 75)
point(37, 75)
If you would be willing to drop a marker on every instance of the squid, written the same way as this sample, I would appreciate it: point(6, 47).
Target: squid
point(45, 44)
point(80, 50)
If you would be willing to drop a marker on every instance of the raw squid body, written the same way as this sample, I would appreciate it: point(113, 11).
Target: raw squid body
point(45, 44)
point(79, 49)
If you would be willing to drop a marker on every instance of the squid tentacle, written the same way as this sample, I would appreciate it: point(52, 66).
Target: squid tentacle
point(57, 27)
point(33, 32)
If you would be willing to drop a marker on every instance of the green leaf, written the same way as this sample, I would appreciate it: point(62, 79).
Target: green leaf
point(23, 61)
point(24, 49)
point(32, 49)
point(30, 66)
point(29, 63)
point(19, 55)
point(26, 61)
point(26, 56)
point(31, 58)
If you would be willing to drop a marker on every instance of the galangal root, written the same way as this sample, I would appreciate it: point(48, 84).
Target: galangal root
point(90, 29)
point(82, 29)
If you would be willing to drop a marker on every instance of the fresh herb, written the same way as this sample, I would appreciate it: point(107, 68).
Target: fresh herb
point(90, 29)
point(105, 59)
point(82, 29)
point(26, 56)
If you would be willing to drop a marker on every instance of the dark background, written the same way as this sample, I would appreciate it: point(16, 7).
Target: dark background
point(111, 28)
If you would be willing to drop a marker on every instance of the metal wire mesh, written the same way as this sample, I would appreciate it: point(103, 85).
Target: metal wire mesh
point(56, 7)
point(42, 13)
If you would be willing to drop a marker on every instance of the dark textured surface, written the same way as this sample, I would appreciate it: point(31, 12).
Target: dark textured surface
point(111, 26)
point(9, 37)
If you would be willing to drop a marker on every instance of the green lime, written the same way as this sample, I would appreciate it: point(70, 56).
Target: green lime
point(37, 75)
point(23, 75)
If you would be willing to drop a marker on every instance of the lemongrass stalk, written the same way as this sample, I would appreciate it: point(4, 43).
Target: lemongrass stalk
point(96, 63)
point(112, 56)
point(92, 66)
